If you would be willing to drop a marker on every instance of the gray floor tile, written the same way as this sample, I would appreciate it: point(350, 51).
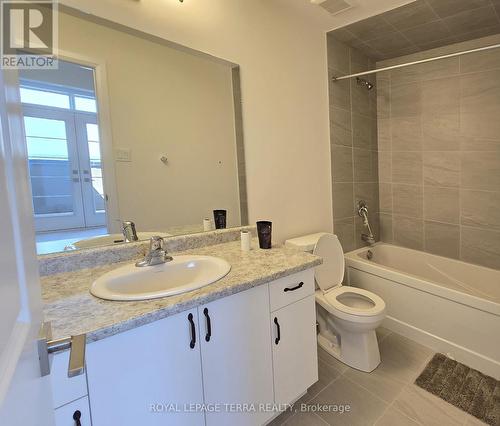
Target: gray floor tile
point(379, 382)
point(331, 361)
point(393, 417)
point(327, 373)
point(402, 359)
point(428, 409)
point(365, 408)
point(305, 419)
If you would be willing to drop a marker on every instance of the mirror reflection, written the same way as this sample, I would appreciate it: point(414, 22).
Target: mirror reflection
point(131, 137)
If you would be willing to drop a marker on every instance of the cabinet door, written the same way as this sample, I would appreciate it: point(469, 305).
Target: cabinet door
point(236, 358)
point(295, 359)
point(69, 413)
point(145, 376)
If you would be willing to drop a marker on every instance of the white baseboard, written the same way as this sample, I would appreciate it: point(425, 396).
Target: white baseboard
point(470, 358)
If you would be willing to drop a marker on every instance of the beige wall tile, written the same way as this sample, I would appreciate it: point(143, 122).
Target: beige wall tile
point(339, 91)
point(340, 126)
point(369, 193)
point(443, 68)
point(441, 204)
point(480, 246)
point(407, 167)
point(344, 229)
point(441, 96)
point(479, 144)
point(441, 132)
point(408, 232)
point(385, 224)
point(384, 134)
point(362, 131)
point(480, 170)
point(342, 163)
point(406, 100)
point(480, 106)
point(442, 168)
point(385, 197)
point(385, 166)
point(406, 133)
point(408, 200)
point(442, 239)
point(480, 61)
point(383, 98)
point(364, 170)
point(480, 209)
point(360, 99)
point(343, 200)
point(338, 55)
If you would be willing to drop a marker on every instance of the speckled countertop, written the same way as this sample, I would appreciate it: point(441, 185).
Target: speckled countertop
point(73, 310)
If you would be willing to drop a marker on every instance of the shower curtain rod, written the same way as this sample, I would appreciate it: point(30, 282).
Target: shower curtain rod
point(421, 61)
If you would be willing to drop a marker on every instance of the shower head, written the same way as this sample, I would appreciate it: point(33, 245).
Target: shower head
point(363, 82)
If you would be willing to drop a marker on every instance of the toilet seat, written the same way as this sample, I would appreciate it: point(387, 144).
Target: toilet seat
point(369, 305)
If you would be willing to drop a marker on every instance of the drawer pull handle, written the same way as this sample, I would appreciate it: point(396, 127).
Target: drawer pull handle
point(278, 337)
point(209, 325)
point(76, 417)
point(193, 331)
point(299, 285)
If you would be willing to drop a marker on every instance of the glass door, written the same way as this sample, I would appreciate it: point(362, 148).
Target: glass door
point(54, 169)
point(94, 203)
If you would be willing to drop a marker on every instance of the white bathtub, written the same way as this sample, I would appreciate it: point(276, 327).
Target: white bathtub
point(449, 305)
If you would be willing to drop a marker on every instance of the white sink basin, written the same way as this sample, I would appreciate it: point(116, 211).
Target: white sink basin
point(184, 273)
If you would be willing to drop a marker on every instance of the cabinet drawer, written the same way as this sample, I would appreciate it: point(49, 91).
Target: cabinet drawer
point(65, 389)
point(290, 289)
point(64, 415)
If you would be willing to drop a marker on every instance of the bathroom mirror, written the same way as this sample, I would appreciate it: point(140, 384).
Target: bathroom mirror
point(130, 128)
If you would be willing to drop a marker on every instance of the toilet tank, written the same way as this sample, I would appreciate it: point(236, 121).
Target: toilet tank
point(304, 243)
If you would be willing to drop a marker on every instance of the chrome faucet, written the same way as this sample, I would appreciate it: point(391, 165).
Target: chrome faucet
point(363, 213)
point(157, 253)
point(129, 232)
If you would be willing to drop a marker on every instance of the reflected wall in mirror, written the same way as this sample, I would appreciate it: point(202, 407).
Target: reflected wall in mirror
point(130, 128)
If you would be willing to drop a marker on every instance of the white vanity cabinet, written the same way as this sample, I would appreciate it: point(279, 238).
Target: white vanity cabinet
point(293, 322)
point(236, 358)
point(145, 375)
point(216, 364)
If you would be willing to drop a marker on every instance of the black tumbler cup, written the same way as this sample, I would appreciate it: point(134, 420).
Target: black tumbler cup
point(220, 219)
point(264, 231)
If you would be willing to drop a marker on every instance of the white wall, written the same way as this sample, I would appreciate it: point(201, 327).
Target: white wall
point(164, 101)
point(284, 92)
point(281, 48)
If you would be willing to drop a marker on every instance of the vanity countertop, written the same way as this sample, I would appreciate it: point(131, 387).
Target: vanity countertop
point(72, 310)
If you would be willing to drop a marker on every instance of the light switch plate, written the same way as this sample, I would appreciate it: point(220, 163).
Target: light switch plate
point(123, 154)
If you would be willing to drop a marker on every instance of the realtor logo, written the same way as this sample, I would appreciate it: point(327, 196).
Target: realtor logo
point(29, 34)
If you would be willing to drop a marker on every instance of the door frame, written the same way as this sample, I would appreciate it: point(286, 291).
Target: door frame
point(113, 218)
point(21, 385)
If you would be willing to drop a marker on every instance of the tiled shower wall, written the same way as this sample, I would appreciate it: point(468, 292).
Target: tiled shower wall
point(439, 154)
point(353, 139)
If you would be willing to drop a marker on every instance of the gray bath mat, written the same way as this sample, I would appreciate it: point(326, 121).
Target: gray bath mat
point(464, 387)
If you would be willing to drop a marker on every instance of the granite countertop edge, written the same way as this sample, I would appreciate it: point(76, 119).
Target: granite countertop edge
point(165, 312)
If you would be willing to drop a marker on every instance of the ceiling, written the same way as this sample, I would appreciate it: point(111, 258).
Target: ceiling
point(421, 25)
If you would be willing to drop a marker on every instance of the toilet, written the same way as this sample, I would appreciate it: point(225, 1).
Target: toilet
point(347, 316)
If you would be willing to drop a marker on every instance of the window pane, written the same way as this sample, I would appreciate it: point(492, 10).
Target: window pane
point(56, 149)
point(45, 128)
point(41, 97)
point(92, 132)
point(95, 167)
point(85, 104)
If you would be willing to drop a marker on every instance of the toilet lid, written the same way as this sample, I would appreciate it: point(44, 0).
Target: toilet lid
point(331, 272)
